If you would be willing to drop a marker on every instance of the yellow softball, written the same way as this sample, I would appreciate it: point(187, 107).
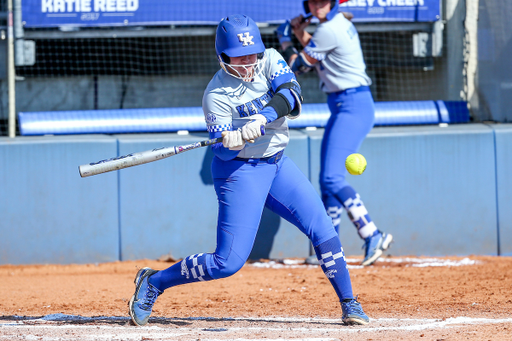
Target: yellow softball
point(356, 164)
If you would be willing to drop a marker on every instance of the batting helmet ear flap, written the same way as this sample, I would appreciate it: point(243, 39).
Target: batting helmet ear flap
point(306, 6)
point(225, 58)
point(335, 6)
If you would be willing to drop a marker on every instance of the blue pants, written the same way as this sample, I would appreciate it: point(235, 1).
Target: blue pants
point(243, 190)
point(352, 118)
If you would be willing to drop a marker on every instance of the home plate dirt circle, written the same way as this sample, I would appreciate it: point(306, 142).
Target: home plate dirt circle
point(449, 298)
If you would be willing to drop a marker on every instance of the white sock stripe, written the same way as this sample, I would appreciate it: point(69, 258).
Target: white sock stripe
point(367, 230)
point(326, 255)
point(358, 212)
point(199, 277)
point(353, 201)
point(330, 263)
point(195, 256)
point(197, 270)
point(332, 258)
point(338, 255)
point(334, 211)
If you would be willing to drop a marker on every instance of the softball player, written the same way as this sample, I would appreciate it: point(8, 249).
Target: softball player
point(254, 88)
point(334, 51)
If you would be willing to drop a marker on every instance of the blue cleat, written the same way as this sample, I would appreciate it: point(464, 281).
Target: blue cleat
point(353, 312)
point(374, 247)
point(145, 296)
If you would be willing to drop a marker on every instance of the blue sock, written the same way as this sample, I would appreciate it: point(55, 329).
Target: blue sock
point(357, 211)
point(334, 210)
point(332, 260)
point(347, 192)
point(189, 270)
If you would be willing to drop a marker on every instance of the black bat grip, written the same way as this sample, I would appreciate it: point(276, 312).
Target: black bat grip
point(306, 17)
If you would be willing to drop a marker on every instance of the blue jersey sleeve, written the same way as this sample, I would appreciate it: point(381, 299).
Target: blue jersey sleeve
point(220, 151)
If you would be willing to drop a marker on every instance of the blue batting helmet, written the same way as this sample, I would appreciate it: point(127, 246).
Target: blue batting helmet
point(335, 5)
point(238, 35)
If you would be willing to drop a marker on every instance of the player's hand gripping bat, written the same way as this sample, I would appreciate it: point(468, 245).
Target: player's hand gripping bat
point(140, 158)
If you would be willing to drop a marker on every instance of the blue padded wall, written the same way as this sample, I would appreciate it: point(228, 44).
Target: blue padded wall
point(438, 190)
point(433, 188)
point(111, 121)
point(48, 214)
point(504, 185)
point(157, 120)
point(170, 206)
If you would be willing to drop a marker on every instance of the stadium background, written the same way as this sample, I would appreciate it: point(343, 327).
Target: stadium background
point(441, 190)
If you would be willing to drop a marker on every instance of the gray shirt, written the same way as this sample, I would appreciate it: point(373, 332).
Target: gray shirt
point(228, 104)
point(335, 44)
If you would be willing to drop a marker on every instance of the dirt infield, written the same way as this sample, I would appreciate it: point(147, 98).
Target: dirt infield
point(406, 299)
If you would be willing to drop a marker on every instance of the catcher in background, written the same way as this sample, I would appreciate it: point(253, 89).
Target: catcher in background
point(254, 88)
point(334, 51)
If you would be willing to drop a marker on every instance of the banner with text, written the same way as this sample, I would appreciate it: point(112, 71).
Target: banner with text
point(393, 10)
point(54, 13)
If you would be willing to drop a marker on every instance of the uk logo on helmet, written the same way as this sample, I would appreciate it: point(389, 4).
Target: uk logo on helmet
point(245, 38)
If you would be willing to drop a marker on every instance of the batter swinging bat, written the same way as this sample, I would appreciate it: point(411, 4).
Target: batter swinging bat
point(140, 158)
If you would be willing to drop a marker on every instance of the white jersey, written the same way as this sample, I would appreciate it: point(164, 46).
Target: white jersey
point(228, 104)
point(335, 44)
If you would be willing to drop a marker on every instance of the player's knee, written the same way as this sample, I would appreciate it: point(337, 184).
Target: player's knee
point(328, 186)
point(225, 267)
point(331, 185)
point(319, 227)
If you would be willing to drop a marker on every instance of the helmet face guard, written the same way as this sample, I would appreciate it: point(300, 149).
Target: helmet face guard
point(335, 5)
point(251, 70)
point(237, 36)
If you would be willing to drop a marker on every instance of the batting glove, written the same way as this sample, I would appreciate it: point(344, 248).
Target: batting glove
point(284, 32)
point(252, 130)
point(233, 140)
